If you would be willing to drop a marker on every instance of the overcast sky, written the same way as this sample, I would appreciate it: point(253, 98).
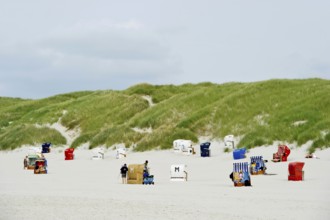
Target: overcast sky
point(59, 46)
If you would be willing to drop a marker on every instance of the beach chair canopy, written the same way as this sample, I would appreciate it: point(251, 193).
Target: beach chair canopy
point(98, 150)
point(32, 158)
point(121, 147)
point(69, 150)
point(241, 167)
point(205, 145)
point(258, 160)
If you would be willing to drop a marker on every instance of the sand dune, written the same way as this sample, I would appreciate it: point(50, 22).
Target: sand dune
point(89, 189)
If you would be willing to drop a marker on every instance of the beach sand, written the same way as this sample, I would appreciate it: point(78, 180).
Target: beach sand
point(92, 189)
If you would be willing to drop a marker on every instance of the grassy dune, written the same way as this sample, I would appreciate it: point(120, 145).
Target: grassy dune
point(260, 112)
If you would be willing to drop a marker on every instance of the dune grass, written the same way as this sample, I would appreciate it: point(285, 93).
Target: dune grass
point(260, 112)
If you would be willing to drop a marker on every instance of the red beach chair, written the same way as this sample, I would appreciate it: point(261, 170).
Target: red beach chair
point(282, 154)
point(295, 171)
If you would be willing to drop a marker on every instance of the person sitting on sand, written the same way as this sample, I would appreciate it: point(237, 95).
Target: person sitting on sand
point(311, 156)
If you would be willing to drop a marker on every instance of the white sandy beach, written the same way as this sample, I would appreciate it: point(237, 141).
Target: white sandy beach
point(92, 189)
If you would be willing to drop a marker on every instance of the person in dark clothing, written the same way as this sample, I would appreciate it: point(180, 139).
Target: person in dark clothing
point(25, 162)
point(145, 174)
point(123, 171)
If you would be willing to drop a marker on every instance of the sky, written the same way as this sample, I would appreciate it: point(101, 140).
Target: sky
point(54, 47)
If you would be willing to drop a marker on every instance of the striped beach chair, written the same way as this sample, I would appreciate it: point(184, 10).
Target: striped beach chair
point(241, 175)
point(257, 165)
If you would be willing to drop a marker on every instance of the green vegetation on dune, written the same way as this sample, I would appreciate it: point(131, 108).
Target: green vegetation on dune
point(261, 112)
point(19, 135)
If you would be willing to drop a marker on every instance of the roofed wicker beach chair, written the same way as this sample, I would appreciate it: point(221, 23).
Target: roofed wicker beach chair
point(241, 175)
point(257, 165)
